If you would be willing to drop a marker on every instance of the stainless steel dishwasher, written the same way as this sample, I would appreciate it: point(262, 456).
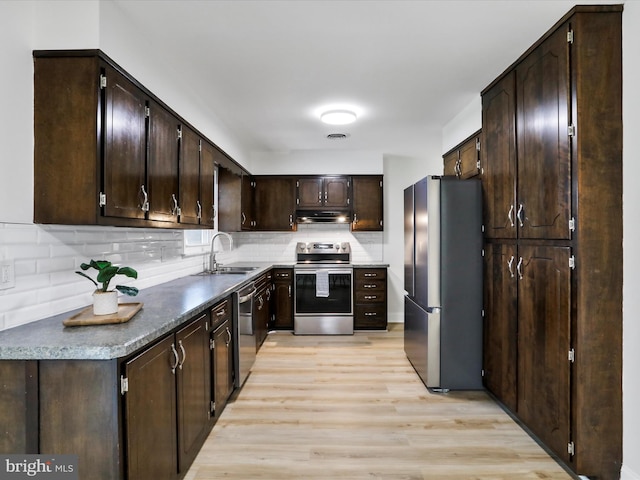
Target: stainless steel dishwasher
point(245, 333)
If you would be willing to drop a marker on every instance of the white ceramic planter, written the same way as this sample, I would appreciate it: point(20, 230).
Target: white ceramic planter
point(105, 303)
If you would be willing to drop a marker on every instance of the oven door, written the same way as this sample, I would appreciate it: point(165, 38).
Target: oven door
point(323, 303)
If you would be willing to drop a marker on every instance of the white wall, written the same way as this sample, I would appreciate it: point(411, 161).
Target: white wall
point(631, 240)
point(465, 123)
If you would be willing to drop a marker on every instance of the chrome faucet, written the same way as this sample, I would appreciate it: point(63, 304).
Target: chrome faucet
point(213, 265)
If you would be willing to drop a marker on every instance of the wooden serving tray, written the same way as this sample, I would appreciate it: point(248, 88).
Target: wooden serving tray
point(86, 317)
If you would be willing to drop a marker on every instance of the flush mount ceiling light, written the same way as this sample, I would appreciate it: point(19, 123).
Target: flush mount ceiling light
point(338, 117)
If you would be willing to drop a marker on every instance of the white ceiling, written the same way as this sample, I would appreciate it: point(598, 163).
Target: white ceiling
point(266, 67)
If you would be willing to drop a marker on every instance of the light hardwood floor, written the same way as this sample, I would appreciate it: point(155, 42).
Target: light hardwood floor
point(352, 407)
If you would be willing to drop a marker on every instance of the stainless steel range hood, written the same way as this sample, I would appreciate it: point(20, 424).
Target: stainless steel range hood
point(323, 216)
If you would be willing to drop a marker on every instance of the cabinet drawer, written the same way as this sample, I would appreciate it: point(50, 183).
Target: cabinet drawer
point(371, 297)
point(365, 274)
point(371, 286)
point(220, 312)
point(373, 316)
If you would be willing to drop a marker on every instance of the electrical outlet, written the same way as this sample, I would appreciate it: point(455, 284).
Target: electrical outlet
point(7, 274)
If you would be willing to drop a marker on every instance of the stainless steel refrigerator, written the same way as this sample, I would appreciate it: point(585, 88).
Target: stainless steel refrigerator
point(443, 282)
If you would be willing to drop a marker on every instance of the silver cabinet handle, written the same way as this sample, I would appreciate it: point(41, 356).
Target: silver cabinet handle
point(519, 215)
point(519, 268)
point(510, 215)
point(370, 274)
point(261, 302)
point(221, 313)
point(229, 334)
point(268, 293)
point(355, 218)
point(289, 291)
point(184, 354)
point(370, 285)
point(199, 209)
point(458, 169)
point(244, 218)
point(370, 297)
point(145, 200)
point(510, 264)
point(370, 314)
point(175, 210)
point(175, 357)
point(291, 220)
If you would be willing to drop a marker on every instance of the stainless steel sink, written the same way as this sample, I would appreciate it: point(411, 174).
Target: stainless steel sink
point(234, 269)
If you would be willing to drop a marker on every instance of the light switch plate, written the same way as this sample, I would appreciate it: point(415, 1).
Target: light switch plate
point(7, 274)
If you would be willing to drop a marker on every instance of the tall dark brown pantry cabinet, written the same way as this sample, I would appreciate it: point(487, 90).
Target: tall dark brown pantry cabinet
point(552, 194)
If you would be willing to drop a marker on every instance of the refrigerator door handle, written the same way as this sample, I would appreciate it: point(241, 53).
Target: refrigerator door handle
point(434, 309)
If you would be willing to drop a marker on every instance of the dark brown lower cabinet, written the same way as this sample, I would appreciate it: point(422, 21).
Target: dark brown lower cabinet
point(167, 403)
point(370, 299)
point(282, 299)
point(222, 365)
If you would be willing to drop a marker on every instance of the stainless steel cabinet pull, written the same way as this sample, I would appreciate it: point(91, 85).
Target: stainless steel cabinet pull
point(370, 297)
point(221, 313)
point(244, 218)
point(370, 285)
point(145, 200)
point(370, 314)
point(199, 209)
point(289, 291)
point(184, 354)
point(519, 268)
point(510, 264)
point(510, 215)
point(229, 334)
point(260, 302)
point(370, 274)
point(268, 295)
point(355, 218)
point(291, 220)
point(174, 209)
point(519, 215)
point(175, 357)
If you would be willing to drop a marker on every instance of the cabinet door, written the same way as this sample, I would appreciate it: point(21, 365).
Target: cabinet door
point(310, 193)
point(222, 366)
point(124, 148)
point(544, 189)
point(469, 158)
point(247, 217)
point(190, 206)
point(501, 322)
point(544, 322)
point(207, 171)
point(229, 200)
point(193, 387)
point(367, 203)
point(336, 192)
point(275, 203)
point(162, 164)
point(150, 413)
point(499, 159)
point(450, 164)
point(283, 299)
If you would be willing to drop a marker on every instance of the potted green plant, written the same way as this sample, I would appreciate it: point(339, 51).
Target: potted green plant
point(105, 301)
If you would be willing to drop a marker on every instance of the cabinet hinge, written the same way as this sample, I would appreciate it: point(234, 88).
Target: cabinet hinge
point(103, 81)
point(213, 407)
point(124, 384)
point(572, 262)
point(571, 130)
point(571, 449)
point(179, 133)
point(212, 344)
point(478, 144)
point(478, 165)
point(102, 199)
point(572, 355)
point(572, 224)
point(570, 36)
point(199, 145)
point(147, 111)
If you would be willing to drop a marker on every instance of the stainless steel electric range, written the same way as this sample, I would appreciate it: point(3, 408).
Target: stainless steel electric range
point(323, 300)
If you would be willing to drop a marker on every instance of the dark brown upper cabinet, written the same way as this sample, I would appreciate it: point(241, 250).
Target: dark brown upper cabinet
point(108, 152)
point(274, 202)
point(162, 166)
point(235, 200)
point(367, 203)
point(463, 160)
point(315, 192)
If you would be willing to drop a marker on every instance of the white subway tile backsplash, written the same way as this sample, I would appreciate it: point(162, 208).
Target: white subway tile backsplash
point(46, 257)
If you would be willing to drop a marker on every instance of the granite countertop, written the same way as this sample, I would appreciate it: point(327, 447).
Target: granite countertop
point(166, 306)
